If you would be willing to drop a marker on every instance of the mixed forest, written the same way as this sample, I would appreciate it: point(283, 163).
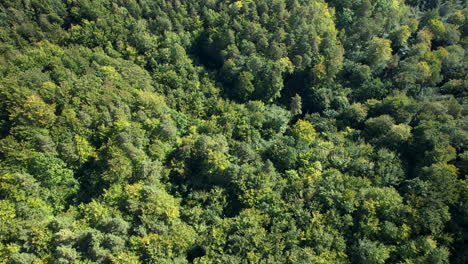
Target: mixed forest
point(223, 131)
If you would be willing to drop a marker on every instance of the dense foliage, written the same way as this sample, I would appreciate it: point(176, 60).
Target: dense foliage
point(217, 131)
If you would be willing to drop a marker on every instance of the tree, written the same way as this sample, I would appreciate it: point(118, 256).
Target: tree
point(245, 87)
point(54, 175)
point(379, 53)
point(303, 131)
point(34, 111)
point(443, 182)
point(378, 126)
point(371, 252)
point(296, 105)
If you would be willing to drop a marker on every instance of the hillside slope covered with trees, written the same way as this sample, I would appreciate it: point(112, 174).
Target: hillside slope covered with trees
point(221, 131)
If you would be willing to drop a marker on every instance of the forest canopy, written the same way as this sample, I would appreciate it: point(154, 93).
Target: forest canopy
point(223, 131)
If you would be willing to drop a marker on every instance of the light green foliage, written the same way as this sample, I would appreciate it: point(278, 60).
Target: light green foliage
point(304, 132)
point(34, 111)
point(401, 35)
point(437, 27)
point(84, 149)
point(379, 53)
